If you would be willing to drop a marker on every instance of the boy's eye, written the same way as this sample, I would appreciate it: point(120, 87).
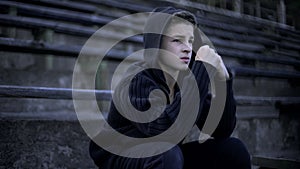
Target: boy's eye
point(175, 40)
point(191, 41)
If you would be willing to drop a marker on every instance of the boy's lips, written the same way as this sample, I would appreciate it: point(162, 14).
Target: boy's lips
point(185, 59)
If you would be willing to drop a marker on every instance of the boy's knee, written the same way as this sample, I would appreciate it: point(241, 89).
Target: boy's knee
point(174, 154)
point(238, 147)
point(172, 158)
point(235, 151)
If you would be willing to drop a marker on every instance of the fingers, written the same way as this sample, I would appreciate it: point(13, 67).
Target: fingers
point(202, 52)
point(209, 55)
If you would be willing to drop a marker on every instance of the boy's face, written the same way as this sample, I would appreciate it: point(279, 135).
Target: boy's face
point(179, 42)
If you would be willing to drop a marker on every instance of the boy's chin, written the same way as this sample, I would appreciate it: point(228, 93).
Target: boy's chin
point(182, 68)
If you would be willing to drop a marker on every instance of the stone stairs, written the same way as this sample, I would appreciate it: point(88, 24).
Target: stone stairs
point(39, 44)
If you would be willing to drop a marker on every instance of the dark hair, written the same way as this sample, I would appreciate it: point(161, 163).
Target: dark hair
point(187, 16)
point(183, 16)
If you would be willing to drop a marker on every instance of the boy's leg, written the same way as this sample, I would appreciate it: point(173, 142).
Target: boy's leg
point(171, 159)
point(216, 154)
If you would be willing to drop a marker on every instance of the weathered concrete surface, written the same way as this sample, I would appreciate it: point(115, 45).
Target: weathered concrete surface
point(271, 136)
point(61, 143)
point(43, 144)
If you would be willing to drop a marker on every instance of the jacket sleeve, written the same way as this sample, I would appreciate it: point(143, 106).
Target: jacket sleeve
point(141, 87)
point(227, 122)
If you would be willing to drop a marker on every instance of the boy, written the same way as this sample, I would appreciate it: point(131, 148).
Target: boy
point(166, 70)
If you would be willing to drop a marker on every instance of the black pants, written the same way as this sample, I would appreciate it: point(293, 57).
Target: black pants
point(213, 154)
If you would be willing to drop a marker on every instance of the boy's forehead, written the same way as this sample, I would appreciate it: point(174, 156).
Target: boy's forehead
point(180, 29)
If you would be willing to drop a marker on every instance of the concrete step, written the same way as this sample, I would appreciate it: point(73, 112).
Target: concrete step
point(273, 135)
point(43, 144)
point(55, 139)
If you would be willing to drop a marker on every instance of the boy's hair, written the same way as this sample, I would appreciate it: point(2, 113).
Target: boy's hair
point(183, 16)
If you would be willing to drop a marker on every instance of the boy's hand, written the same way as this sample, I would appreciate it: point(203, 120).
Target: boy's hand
point(208, 55)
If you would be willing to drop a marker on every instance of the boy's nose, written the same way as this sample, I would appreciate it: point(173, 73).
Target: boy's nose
point(187, 48)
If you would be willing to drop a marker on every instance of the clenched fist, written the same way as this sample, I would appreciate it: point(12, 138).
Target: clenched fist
point(208, 55)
